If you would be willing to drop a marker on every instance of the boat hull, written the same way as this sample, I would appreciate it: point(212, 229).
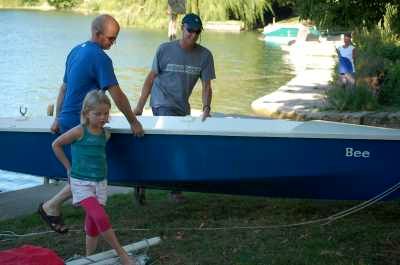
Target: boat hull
point(263, 166)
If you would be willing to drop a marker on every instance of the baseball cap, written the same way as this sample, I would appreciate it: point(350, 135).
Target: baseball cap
point(193, 21)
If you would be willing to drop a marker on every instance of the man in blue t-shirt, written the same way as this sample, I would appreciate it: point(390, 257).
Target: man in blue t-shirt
point(87, 68)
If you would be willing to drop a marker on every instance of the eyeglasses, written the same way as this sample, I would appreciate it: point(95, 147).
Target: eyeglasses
point(111, 39)
point(190, 30)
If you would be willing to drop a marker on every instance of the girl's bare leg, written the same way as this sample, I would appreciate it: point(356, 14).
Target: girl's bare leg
point(111, 239)
point(91, 244)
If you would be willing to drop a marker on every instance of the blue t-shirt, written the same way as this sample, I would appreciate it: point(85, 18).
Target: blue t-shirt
point(87, 68)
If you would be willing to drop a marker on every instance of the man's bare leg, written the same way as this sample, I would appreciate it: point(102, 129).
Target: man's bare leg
point(53, 206)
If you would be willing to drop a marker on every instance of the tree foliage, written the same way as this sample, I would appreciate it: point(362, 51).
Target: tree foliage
point(344, 14)
point(392, 20)
point(31, 2)
point(20, 3)
point(249, 11)
point(64, 4)
point(153, 12)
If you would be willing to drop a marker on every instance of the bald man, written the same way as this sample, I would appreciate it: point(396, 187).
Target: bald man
point(88, 67)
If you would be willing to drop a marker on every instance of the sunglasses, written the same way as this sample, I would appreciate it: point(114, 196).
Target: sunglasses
point(190, 30)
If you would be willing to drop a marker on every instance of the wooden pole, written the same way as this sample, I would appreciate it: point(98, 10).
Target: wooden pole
point(50, 112)
point(110, 256)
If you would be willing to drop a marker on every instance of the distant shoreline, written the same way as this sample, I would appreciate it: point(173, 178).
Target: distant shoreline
point(43, 7)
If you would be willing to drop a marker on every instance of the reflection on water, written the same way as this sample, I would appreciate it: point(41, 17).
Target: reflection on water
point(15, 181)
point(35, 45)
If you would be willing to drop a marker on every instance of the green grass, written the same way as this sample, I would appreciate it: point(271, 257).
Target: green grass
point(367, 237)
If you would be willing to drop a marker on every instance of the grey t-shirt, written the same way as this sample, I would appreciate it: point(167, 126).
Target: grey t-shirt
point(177, 73)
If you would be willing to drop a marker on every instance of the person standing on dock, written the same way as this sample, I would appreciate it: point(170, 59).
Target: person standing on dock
point(347, 56)
point(176, 68)
point(175, 8)
point(88, 67)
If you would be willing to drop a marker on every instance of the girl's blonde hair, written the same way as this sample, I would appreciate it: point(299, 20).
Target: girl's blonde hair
point(93, 99)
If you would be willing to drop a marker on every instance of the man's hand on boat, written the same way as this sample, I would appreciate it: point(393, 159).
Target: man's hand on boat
point(137, 128)
point(55, 127)
point(206, 113)
point(138, 111)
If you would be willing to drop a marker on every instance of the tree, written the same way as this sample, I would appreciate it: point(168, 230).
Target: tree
point(249, 11)
point(64, 4)
point(344, 14)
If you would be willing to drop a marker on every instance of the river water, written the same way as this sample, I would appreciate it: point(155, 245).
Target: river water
point(34, 45)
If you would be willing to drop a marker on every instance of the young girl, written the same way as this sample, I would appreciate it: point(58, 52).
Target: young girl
point(88, 171)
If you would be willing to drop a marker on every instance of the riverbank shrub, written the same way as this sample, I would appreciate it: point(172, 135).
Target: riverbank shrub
point(390, 92)
point(378, 64)
point(359, 98)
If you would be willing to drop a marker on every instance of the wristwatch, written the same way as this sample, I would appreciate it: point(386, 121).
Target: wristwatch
point(206, 108)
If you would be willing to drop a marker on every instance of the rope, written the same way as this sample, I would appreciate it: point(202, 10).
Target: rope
point(7, 234)
point(365, 204)
point(326, 220)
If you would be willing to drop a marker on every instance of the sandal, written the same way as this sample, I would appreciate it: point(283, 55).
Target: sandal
point(56, 223)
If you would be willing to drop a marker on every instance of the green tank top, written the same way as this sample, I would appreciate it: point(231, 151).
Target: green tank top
point(89, 160)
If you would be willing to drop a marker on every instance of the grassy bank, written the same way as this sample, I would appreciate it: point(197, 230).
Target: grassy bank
point(368, 237)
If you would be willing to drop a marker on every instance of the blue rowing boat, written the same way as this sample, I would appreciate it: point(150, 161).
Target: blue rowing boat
point(248, 156)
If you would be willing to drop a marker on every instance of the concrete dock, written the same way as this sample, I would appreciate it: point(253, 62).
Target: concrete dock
point(313, 64)
point(304, 97)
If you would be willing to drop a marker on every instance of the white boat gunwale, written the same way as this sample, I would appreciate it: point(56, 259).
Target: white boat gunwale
point(226, 126)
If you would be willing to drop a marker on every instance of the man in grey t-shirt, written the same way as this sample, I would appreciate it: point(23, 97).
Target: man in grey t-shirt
point(177, 66)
